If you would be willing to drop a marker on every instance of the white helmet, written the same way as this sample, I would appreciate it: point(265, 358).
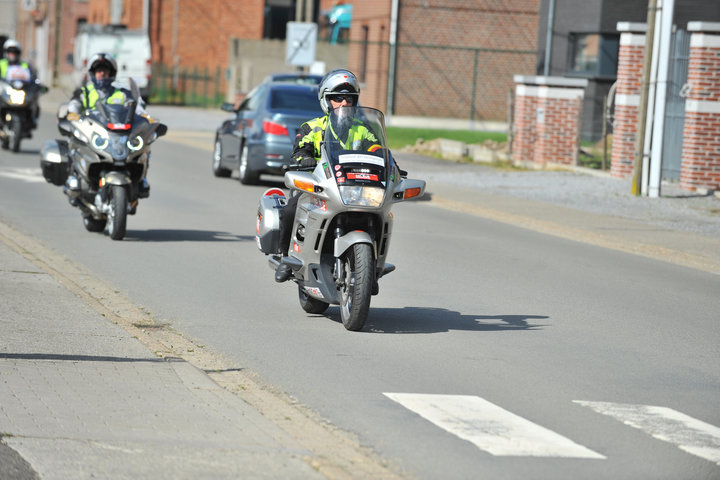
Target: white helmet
point(12, 44)
point(337, 81)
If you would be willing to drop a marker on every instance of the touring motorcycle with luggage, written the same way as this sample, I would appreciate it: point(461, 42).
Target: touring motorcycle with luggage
point(103, 163)
point(343, 223)
point(18, 109)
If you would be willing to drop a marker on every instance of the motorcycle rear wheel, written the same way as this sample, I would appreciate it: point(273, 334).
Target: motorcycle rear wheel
point(355, 293)
point(310, 304)
point(117, 216)
point(16, 133)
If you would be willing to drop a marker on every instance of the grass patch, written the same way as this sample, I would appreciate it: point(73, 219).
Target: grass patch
point(399, 137)
point(591, 154)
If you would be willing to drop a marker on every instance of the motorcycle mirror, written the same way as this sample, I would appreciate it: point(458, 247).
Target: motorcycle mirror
point(161, 129)
point(65, 127)
point(62, 110)
point(134, 89)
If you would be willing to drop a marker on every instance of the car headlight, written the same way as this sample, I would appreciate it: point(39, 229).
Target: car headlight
point(17, 97)
point(135, 144)
point(99, 142)
point(362, 196)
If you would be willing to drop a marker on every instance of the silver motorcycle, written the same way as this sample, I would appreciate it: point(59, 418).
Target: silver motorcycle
point(343, 224)
point(103, 164)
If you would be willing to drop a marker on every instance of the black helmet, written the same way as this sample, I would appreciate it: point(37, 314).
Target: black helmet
point(102, 60)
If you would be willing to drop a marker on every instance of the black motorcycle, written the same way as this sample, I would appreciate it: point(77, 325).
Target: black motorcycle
point(102, 165)
point(18, 111)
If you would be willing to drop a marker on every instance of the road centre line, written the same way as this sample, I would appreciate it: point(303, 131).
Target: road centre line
point(490, 427)
point(687, 433)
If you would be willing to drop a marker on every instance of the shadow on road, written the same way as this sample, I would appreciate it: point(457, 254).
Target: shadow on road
point(435, 320)
point(185, 236)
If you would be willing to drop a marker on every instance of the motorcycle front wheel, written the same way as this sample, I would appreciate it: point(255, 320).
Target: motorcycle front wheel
point(16, 133)
point(356, 287)
point(117, 216)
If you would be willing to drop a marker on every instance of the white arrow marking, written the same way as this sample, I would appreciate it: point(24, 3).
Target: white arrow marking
point(689, 434)
point(490, 427)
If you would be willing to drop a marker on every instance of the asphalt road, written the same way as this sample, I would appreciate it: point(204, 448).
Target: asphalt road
point(492, 352)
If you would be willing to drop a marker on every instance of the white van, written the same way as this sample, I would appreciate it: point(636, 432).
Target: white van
point(131, 49)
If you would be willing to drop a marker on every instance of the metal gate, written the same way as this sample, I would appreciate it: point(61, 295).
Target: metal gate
point(675, 106)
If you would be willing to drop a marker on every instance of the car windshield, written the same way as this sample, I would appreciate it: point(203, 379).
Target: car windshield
point(304, 100)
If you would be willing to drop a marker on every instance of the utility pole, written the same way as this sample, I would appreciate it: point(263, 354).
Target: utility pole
point(642, 114)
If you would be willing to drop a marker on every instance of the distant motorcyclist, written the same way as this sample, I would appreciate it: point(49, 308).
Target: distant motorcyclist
point(102, 70)
point(338, 88)
point(11, 65)
point(12, 68)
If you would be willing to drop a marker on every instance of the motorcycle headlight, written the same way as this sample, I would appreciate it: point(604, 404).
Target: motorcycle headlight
point(362, 196)
point(135, 144)
point(99, 142)
point(17, 97)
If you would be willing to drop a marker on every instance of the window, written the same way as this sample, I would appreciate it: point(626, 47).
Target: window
point(594, 54)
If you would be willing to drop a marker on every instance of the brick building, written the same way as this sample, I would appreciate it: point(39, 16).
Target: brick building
point(453, 58)
point(47, 34)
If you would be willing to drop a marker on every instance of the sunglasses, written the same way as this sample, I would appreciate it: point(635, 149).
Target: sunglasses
point(340, 98)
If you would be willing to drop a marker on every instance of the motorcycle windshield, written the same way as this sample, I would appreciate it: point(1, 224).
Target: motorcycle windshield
point(115, 116)
point(356, 148)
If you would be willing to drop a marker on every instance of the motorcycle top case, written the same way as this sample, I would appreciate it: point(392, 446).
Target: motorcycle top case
point(54, 161)
point(268, 220)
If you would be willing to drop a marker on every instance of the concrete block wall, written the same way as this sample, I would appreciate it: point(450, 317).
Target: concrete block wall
point(701, 137)
point(547, 120)
point(627, 98)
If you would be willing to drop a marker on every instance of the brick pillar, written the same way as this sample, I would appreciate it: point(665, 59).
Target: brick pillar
point(701, 137)
point(547, 123)
point(627, 97)
point(524, 124)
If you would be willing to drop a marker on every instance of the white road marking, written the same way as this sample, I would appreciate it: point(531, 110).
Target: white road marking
point(31, 175)
point(689, 434)
point(490, 427)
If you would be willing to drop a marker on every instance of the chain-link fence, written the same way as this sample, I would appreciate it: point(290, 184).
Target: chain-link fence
point(194, 87)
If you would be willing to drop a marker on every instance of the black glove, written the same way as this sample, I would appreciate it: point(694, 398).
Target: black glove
point(307, 162)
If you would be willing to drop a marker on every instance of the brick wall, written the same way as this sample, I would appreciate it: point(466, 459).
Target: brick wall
point(369, 53)
point(524, 124)
point(449, 52)
point(627, 98)
point(546, 129)
point(701, 144)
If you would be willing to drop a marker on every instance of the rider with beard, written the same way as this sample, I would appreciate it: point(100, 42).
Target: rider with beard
point(338, 89)
point(102, 70)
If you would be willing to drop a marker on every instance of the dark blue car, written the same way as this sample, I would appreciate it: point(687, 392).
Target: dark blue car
point(259, 139)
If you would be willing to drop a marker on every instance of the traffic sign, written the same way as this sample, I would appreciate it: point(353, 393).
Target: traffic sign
point(301, 39)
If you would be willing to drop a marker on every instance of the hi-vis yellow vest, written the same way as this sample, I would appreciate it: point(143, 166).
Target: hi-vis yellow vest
point(89, 96)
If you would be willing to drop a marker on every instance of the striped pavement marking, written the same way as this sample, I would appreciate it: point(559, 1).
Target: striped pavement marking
point(30, 175)
point(490, 427)
point(687, 433)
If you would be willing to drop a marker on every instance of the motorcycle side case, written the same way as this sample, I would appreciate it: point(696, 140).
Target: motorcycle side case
point(268, 221)
point(54, 160)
